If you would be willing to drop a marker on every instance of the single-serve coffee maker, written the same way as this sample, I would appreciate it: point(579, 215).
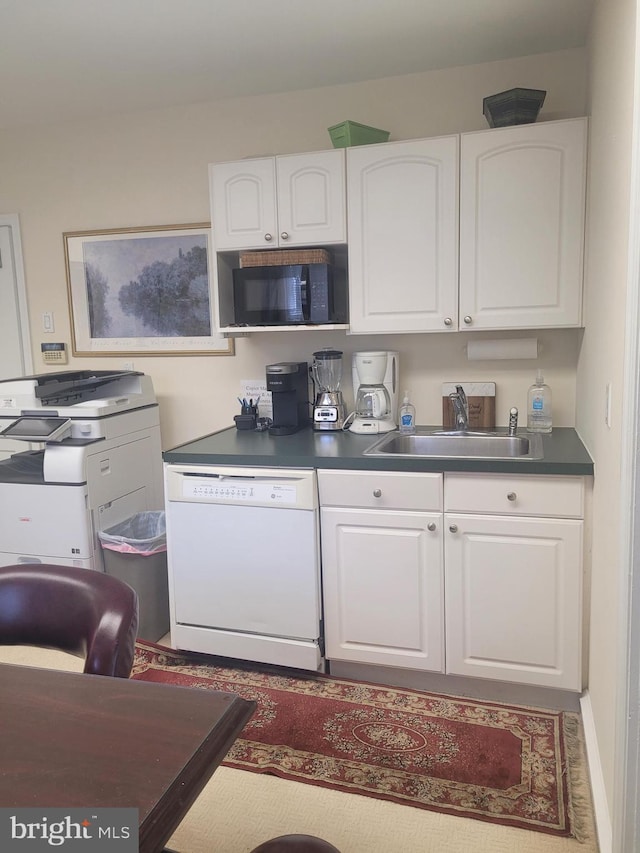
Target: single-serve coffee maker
point(328, 407)
point(375, 376)
point(288, 382)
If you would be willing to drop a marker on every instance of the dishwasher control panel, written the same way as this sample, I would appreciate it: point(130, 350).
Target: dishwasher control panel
point(289, 488)
point(226, 490)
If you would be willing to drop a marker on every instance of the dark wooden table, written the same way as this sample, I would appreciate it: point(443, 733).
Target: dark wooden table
point(112, 742)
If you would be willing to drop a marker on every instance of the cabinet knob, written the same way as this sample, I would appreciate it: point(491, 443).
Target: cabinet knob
point(453, 528)
point(431, 526)
point(377, 493)
point(284, 235)
point(448, 321)
point(268, 237)
point(468, 320)
point(512, 496)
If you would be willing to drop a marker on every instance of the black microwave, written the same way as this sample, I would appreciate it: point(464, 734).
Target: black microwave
point(289, 295)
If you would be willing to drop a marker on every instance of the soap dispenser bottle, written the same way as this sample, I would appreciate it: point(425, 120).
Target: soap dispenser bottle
point(407, 416)
point(539, 406)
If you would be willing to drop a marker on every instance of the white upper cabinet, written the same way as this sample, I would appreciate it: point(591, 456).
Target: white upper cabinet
point(312, 205)
point(522, 208)
point(403, 235)
point(478, 231)
point(271, 202)
point(243, 204)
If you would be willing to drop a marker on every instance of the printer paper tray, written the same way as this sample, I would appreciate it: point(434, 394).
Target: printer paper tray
point(7, 559)
point(45, 519)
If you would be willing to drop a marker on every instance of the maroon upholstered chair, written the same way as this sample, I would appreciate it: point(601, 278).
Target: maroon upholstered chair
point(84, 612)
point(296, 844)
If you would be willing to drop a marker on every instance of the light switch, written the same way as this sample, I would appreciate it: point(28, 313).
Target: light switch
point(47, 322)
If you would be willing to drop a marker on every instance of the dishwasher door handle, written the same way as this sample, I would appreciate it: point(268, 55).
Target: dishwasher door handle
point(242, 478)
point(234, 478)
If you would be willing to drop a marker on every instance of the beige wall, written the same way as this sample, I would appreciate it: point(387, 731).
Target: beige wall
point(611, 62)
point(151, 169)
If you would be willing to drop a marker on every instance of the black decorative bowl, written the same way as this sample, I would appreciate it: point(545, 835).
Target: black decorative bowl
point(515, 106)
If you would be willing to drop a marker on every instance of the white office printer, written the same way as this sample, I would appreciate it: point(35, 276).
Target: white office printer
point(97, 461)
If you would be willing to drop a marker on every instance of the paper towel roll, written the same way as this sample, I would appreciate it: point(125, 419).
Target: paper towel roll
point(512, 348)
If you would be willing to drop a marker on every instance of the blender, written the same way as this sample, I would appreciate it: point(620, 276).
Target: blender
point(328, 408)
point(376, 377)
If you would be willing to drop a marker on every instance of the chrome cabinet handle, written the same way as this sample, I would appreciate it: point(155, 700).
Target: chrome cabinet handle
point(284, 235)
point(268, 238)
point(448, 321)
point(512, 496)
point(453, 528)
point(431, 526)
point(377, 493)
point(468, 320)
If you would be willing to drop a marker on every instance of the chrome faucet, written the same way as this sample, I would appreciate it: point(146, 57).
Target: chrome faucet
point(513, 421)
point(460, 409)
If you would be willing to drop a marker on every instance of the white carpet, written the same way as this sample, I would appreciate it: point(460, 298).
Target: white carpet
point(238, 810)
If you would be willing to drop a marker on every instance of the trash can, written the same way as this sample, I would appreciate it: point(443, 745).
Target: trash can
point(136, 552)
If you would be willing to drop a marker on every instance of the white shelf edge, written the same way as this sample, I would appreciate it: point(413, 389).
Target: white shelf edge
point(232, 331)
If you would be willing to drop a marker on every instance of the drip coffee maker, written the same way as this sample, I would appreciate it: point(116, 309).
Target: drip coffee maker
point(328, 409)
point(375, 376)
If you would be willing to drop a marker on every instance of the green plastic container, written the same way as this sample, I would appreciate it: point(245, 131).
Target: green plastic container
point(351, 133)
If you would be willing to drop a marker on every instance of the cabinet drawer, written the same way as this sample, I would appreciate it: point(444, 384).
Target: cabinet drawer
point(381, 490)
point(504, 494)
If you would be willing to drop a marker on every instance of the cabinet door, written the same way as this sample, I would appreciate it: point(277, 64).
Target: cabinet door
point(522, 203)
point(311, 199)
point(402, 213)
point(382, 582)
point(513, 599)
point(243, 204)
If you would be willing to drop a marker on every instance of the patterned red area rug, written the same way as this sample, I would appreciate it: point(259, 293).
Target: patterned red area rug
point(482, 760)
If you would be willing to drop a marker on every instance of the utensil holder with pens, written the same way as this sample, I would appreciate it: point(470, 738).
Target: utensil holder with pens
point(248, 414)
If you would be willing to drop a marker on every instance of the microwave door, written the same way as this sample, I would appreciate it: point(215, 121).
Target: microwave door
point(293, 296)
point(271, 296)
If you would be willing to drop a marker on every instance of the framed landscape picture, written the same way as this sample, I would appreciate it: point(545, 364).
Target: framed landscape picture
point(142, 291)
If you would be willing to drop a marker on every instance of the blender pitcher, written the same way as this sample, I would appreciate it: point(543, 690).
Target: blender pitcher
point(328, 409)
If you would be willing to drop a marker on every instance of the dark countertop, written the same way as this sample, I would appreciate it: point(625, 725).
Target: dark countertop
point(564, 453)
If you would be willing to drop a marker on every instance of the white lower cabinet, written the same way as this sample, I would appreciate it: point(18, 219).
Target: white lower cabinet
point(513, 599)
point(513, 578)
point(480, 578)
point(382, 568)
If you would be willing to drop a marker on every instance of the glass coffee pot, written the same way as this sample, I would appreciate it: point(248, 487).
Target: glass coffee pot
point(373, 401)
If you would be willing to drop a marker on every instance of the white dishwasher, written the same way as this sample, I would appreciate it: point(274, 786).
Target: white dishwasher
point(244, 563)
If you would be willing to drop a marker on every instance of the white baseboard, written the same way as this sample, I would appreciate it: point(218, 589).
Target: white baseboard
point(598, 791)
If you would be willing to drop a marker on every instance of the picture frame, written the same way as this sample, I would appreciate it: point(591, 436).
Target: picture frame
point(142, 291)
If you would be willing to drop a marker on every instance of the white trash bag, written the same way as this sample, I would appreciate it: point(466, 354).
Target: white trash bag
point(144, 533)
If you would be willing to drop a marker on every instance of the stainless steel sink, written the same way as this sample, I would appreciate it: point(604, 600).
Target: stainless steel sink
point(458, 445)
